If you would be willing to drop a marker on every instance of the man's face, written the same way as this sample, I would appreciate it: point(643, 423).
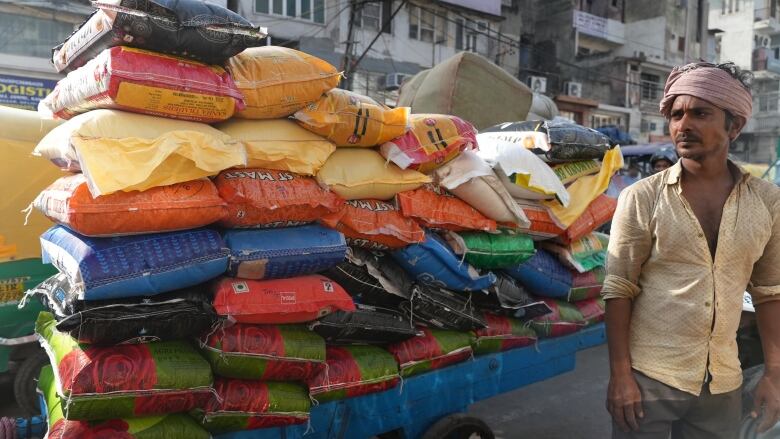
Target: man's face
point(698, 128)
point(661, 165)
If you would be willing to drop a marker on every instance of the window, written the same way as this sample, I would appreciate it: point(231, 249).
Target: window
point(312, 10)
point(425, 24)
point(467, 33)
point(370, 16)
point(650, 85)
point(31, 36)
point(681, 44)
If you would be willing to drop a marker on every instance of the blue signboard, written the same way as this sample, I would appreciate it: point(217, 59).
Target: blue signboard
point(21, 92)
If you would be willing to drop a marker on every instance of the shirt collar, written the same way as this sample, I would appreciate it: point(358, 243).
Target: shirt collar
point(675, 172)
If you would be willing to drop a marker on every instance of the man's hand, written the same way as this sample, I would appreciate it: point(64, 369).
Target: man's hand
point(766, 402)
point(624, 402)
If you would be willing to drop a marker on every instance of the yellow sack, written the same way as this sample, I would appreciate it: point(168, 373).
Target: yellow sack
point(586, 189)
point(277, 81)
point(120, 151)
point(358, 174)
point(350, 119)
point(279, 144)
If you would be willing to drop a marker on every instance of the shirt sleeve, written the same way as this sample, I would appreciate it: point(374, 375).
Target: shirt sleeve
point(764, 283)
point(630, 243)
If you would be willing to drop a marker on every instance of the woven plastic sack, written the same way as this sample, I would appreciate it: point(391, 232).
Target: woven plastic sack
point(543, 225)
point(146, 82)
point(581, 255)
point(374, 224)
point(565, 319)
point(199, 30)
point(502, 334)
point(472, 180)
point(433, 262)
point(121, 151)
point(354, 371)
point(434, 207)
point(372, 279)
point(138, 265)
point(125, 380)
point(174, 426)
point(500, 249)
point(265, 352)
point(434, 349)
point(351, 119)
point(587, 285)
point(180, 206)
point(555, 141)
point(362, 174)
point(434, 140)
point(176, 315)
point(248, 405)
point(366, 325)
point(286, 252)
point(278, 81)
point(598, 213)
point(592, 310)
point(543, 275)
point(295, 300)
point(279, 144)
point(270, 199)
point(508, 298)
point(443, 309)
point(569, 172)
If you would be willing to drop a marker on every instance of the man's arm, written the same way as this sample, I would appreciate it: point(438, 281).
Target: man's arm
point(624, 399)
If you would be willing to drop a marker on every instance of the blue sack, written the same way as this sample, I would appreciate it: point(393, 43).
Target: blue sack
point(543, 275)
point(138, 265)
point(283, 253)
point(432, 262)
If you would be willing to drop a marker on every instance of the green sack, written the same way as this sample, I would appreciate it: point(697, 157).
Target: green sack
point(249, 405)
point(434, 349)
point(502, 333)
point(565, 319)
point(174, 426)
point(501, 249)
point(353, 371)
point(127, 380)
point(582, 255)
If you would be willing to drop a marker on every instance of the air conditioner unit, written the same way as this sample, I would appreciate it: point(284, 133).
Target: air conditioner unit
point(573, 88)
point(538, 84)
point(393, 81)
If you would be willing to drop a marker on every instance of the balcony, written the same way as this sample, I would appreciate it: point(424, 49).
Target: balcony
point(607, 30)
point(766, 20)
point(765, 65)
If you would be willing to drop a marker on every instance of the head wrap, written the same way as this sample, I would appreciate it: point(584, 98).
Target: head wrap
point(708, 82)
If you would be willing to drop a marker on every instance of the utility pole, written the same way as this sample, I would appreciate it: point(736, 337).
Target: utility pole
point(349, 52)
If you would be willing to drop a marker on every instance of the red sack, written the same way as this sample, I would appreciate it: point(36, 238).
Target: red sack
point(141, 81)
point(295, 300)
point(543, 225)
point(565, 319)
point(436, 208)
point(266, 198)
point(502, 333)
point(592, 310)
point(598, 213)
point(435, 349)
point(374, 224)
point(353, 371)
point(586, 285)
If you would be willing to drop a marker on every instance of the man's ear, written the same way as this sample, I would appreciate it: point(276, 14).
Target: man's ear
point(737, 124)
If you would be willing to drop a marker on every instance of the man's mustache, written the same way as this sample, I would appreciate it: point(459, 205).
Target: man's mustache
point(687, 138)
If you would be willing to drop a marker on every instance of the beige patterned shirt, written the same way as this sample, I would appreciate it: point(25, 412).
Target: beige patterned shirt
point(686, 307)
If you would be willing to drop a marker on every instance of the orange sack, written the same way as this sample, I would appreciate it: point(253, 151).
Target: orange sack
point(179, 206)
point(598, 213)
point(374, 224)
point(436, 208)
point(259, 197)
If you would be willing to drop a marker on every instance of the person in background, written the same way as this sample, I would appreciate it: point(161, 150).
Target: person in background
point(686, 243)
point(663, 159)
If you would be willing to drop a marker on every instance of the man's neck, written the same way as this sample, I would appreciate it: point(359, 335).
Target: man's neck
point(709, 168)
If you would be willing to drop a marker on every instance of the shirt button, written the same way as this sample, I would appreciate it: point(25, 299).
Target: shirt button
point(700, 235)
point(706, 303)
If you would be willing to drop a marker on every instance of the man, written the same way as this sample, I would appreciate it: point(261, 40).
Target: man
point(685, 244)
point(663, 160)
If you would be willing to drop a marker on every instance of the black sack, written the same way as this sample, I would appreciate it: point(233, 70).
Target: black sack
point(444, 309)
point(507, 297)
point(367, 325)
point(370, 277)
point(193, 29)
point(568, 141)
point(179, 314)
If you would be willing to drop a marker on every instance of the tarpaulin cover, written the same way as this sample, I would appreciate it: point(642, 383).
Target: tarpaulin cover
point(556, 141)
point(503, 333)
point(138, 265)
point(565, 319)
point(180, 206)
point(434, 349)
point(587, 285)
point(266, 198)
point(432, 262)
point(154, 151)
point(127, 380)
point(375, 225)
point(366, 325)
point(173, 426)
point(592, 310)
point(543, 275)
point(354, 371)
point(598, 213)
point(362, 174)
point(176, 315)
point(265, 352)
point(293, 300)
point(443, 309)
point(351, 119)
point(279, 144)
point(146, 82)
point(581, 255)
point(433, 140)
point(501, 249)
point(434, 207)
point(278, 81)
point(247, 405)
point(285, 252)
point(199, 30)
point(543, 225)
point(508, 297)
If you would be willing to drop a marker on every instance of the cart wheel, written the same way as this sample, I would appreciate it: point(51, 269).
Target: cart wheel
point(459, 426)
point(25, 382)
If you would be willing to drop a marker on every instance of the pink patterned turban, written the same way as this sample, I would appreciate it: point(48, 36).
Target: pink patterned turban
point(710, 83)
